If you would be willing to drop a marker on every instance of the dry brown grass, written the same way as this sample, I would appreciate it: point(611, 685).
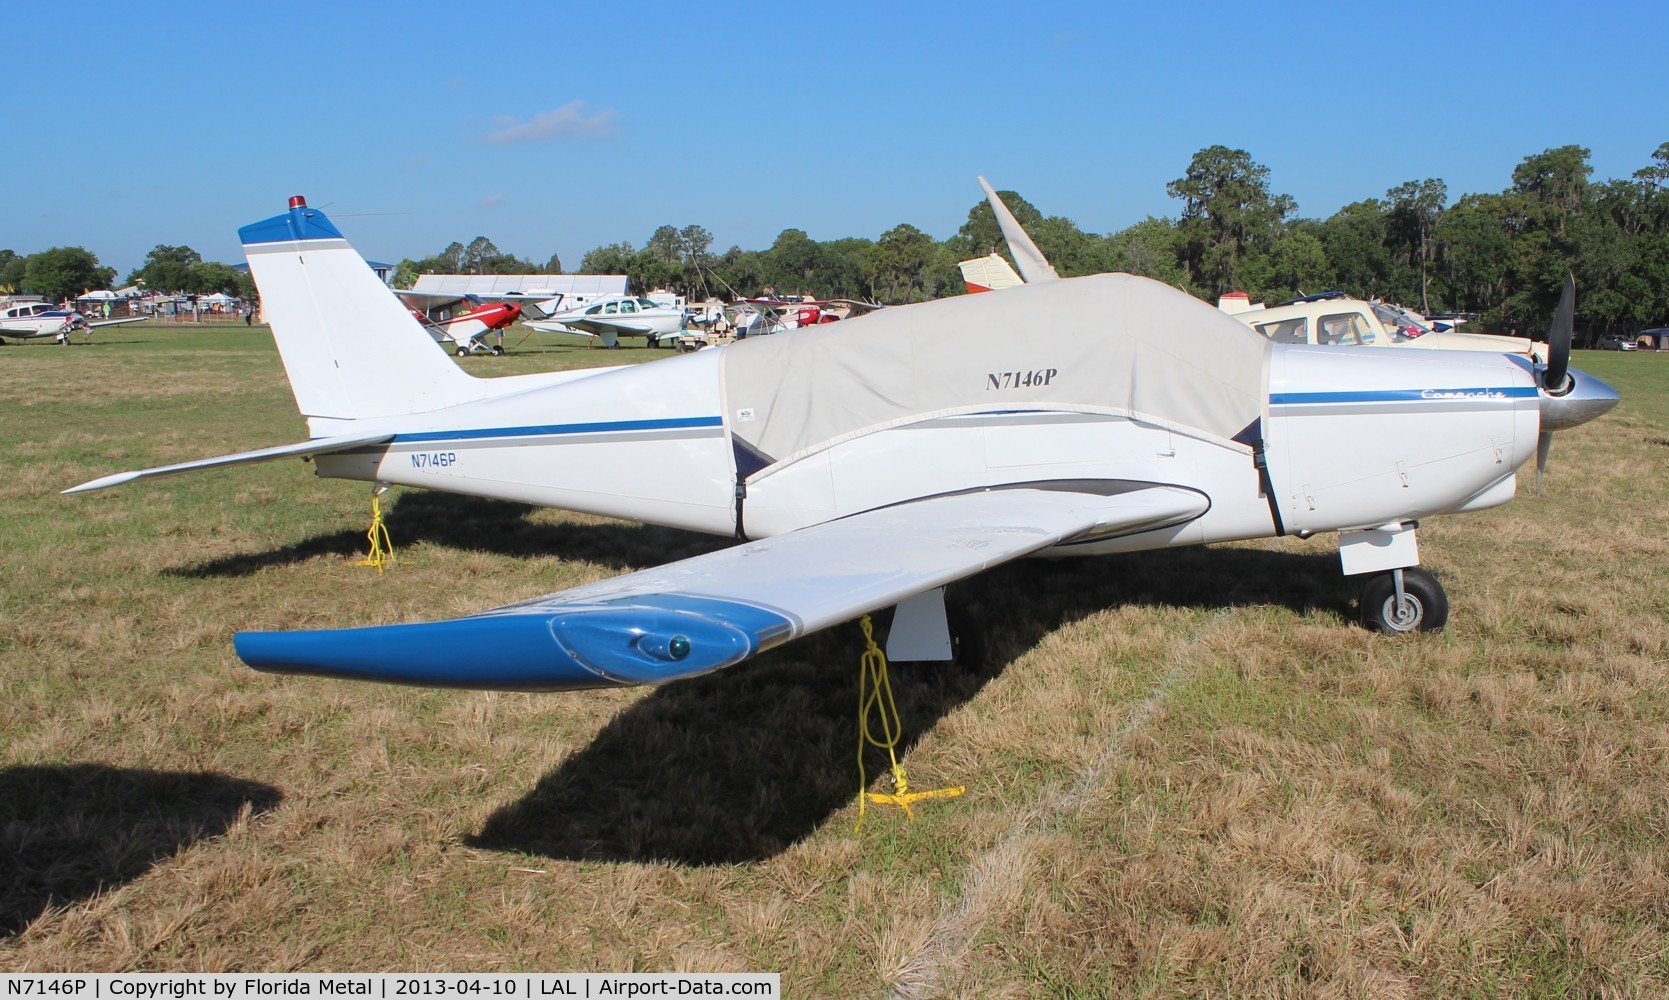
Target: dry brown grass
point(1190, 774)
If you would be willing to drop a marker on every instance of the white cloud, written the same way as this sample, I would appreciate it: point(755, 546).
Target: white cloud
point(492, 201)
point(567, 122)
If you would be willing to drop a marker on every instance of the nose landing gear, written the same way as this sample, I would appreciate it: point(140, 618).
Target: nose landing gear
point(1403, 601)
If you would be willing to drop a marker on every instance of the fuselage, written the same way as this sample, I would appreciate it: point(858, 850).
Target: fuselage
point(1349, 439)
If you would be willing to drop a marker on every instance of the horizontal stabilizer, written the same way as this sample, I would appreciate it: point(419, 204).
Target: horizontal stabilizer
point(318, 446)
point(715, 610)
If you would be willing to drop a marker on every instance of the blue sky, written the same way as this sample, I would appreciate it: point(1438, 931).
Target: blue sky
point(556, 127)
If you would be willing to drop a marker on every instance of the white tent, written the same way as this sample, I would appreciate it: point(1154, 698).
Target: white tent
point(100, 296)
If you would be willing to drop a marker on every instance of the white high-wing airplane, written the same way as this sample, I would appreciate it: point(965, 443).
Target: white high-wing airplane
point(870, 464)
point(28, 320)
point(615, 317)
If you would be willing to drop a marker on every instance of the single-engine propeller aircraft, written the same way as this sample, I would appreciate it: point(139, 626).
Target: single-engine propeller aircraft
point(872, 463)
point(29, 320)
point(489, 314)
point(615, 317)
point(468, 332)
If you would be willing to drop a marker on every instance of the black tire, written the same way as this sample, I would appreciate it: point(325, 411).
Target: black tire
point(654, 342)
point(463, 352)
point(498, 350)
point(1427, 609)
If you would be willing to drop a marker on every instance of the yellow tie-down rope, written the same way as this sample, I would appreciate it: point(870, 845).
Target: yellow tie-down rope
point(875, 693)
point(382, 550)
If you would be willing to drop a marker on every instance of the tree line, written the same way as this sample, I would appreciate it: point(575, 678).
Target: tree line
point(66, 272)
point(1499, 255)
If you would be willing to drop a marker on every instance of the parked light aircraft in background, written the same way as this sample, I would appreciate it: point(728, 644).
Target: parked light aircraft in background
point(468, 332)
point(870, 464)
point(988, 273)
point(1336, 319)
point(1331, 319)
point(29, 320)
point(763, 316)
point(617, 316)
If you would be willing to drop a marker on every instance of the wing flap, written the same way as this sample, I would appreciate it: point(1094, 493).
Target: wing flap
point(715, 610)
point(317, 446)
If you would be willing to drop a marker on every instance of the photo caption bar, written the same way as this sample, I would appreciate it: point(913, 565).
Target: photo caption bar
point(386, 986)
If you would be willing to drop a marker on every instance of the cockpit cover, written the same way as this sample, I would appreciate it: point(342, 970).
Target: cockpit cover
point(1111, 343)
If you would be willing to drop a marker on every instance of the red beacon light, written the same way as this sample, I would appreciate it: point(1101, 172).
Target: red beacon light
point(297, 201)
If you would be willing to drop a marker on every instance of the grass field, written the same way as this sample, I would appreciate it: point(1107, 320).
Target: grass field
point(1189, 773)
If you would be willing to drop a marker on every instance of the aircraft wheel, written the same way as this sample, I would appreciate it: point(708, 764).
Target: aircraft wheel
point(654, 342)
point(1425, 606)
point(463, 352)
point(498, 350)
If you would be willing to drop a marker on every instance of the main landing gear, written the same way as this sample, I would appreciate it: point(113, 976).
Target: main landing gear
point(929, 629)
point(1398, 597)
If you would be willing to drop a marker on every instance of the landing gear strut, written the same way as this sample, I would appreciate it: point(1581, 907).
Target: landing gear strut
point(1403, 601)
point(928, 628)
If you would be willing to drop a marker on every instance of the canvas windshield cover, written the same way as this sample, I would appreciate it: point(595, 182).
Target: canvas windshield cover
point(1112, 343)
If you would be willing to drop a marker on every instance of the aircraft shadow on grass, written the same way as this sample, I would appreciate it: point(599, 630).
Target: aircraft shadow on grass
point(68, 832)
point(737, 766)
point(477, 524)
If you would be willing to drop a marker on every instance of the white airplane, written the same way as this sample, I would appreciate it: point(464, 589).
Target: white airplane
point(29, 320)
point(870, 464)
point(617, 316)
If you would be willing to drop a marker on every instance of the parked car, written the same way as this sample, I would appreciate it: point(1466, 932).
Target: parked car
point(1618, 344)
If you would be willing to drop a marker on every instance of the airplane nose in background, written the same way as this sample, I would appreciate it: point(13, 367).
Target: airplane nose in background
point(1588, 398)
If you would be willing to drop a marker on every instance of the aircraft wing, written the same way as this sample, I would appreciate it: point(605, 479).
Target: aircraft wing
point(715, 610)
point(117, 322)
point(317, 446)
point(18, 331)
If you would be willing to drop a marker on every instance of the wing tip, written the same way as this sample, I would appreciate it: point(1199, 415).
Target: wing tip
point(103, 482)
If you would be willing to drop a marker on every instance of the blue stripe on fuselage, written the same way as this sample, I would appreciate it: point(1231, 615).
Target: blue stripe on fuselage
point(547, 430)
point(1466, 395)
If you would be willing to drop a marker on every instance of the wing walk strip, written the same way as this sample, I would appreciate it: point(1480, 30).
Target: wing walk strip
point(715, 610)
point(995, 879)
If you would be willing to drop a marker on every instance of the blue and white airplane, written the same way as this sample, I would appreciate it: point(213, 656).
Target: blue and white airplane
point(870, 465)
point(29, 320)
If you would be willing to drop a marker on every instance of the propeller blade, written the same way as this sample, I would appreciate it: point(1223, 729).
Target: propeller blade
point(1559, 338)
point(1544, 444)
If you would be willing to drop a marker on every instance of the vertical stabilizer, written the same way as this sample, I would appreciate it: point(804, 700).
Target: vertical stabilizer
point(350, 348)
point(1034, 267)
